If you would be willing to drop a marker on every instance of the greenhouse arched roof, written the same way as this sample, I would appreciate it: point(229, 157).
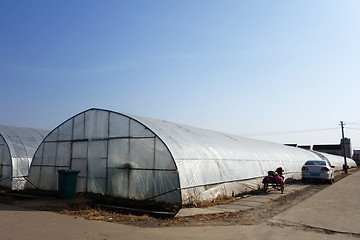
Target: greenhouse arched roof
point(135, 157)
point(17, 148)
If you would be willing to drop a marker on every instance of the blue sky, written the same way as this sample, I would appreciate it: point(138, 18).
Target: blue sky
point(263, 69)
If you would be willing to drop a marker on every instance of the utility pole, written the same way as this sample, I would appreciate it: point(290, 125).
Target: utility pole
point(345, 167)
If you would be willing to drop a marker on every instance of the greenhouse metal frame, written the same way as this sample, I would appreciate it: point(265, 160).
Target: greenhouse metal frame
point(133, 157)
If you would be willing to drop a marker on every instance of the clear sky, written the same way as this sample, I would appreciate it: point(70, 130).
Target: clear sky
point(263, 69)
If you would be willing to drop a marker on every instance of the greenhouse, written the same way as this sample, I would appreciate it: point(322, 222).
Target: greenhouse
point(133, 157)
point(17, 148)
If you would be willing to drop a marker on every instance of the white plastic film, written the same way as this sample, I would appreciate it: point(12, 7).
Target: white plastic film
point(49, 155)
point(163, 159)
point(119, 152)
point(119, 126)
point(80, 150)
point(142, 153)
point(65, 131)
point(139, 130)
point(17, 147)
point(96, 124)
point(80, 164)
point(79, 127)
point(63, 154)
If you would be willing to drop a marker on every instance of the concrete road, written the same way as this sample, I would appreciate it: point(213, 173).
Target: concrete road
point(307, 220)
point(23, 224)
point(242, 204)
point(336, 208)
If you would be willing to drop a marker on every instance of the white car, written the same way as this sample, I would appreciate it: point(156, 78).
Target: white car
point(318, 169)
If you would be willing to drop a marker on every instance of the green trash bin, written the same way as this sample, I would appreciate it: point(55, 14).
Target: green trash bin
point(67, 183)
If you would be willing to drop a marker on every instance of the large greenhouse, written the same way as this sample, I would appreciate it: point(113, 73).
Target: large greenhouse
point(132, 157)
point(17, 148)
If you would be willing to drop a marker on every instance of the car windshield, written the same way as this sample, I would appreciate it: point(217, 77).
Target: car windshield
point(316, 163)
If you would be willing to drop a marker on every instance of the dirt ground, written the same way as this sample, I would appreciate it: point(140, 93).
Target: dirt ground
point(250, 217)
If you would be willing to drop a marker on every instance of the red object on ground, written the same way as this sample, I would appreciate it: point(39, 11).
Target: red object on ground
point(273, 179)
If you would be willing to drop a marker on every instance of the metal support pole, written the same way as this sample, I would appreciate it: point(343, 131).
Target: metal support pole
point(345, 167)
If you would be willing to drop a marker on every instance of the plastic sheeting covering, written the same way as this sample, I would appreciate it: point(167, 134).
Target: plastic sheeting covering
point(337, 161)
point(17, 147)
point(116, 156)
point(140, 158)
point(212, 164)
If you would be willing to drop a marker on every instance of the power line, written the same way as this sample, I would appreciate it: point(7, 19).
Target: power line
point(352, 123)
point(289, 132)
point(353, 128)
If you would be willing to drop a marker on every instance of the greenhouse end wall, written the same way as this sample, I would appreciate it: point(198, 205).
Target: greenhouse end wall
point(115, 154)
point(5, 164)
point(17, 147)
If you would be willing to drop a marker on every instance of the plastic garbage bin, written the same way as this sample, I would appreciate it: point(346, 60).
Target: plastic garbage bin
point(67, 183)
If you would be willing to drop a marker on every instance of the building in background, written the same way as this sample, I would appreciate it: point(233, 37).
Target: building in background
point(335, 149)
point(356, 157)
point(307, 147)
